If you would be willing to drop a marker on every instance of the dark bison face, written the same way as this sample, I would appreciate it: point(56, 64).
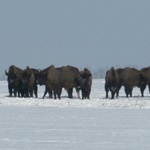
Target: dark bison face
point(41, 78)
point(11, 77)
point(85, 73)
point(78, 80)
point(35, 72)
point(26, 75)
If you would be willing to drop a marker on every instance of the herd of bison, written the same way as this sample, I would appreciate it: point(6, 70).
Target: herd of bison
point(127, 77)
point(24, 82)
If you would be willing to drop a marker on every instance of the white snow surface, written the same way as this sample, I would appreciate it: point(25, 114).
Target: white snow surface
point(97, 98)
point(75, 124)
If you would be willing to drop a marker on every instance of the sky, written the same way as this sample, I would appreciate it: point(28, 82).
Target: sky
point(82, 33)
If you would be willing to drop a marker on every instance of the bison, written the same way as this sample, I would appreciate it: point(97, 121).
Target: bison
point(14, 78)
point(86, 84)
point(111, 82)
point(78, 79)
point(146, 72)
point(29, 77)
point(50, 77)
point(70, 78)
point(129, 78)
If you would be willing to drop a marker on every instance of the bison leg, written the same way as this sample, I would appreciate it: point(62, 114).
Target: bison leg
point(26, 94)
point(45, 93)
point(106, 94)
point(83, 94)
point(106, 90)
point(126, 91)
point(117, 93)
point(88, 95)
point(55, 94)
point(70, 92)
point(78, 92)
point(15, 92)
point(117, 90)
point(50, 94)
point(149, 88)
point(22, 93)
point(19, 94)
point(142, 89)
point(130, 92)
point(113, 91)
point(10, 92)
point(112, 94)
point(31, 93)
point(36, 91)
point(59, 91)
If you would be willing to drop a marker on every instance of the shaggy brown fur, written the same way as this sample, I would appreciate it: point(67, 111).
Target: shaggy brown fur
point(111, 82)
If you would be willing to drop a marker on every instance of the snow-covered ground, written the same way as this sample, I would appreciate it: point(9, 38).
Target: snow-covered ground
point(97, 99)
point(75, 124)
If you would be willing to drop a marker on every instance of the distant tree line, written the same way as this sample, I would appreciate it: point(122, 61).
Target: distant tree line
point(99, 73)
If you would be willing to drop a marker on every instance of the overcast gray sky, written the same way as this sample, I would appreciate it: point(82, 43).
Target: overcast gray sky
point(83, 33)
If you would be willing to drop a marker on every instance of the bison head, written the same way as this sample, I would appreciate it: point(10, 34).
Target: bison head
point(85, 73)
point(26, 73)
point(78, 80)
point(41, 77)
point(12, 76)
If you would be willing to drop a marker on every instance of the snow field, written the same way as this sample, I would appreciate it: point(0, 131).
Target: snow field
point(97, 98)
point(75, 124)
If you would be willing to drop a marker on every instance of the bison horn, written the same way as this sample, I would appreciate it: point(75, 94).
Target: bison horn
point(6, 72)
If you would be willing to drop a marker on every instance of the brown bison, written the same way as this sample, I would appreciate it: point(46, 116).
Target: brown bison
point(70, 78)
point(86, 84)
point(146, 72)
point(119, 72)
point(50, 77)
point(78, 79)
point(129, 78)
point(111, 82)
point(14, 78)
point(29, 78)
